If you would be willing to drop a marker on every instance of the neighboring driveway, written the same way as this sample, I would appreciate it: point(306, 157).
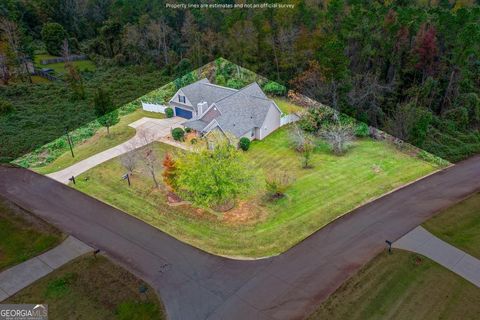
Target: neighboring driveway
point(421, 241)
point(196, 285)
point(148, 130)
point(22, 275)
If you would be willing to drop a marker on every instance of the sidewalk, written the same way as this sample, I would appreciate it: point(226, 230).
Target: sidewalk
point(22, 275)
point(423, 242)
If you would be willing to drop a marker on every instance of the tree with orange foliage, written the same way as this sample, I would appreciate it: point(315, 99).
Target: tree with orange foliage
point(169, 171)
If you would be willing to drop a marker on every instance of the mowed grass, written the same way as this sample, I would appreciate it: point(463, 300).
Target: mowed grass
point(286, 106)
point(101, 141)
point(459, 225)
point(22, 236)
point(59, 68)
point(334, 186)
point(89, 288)
point(402, 285)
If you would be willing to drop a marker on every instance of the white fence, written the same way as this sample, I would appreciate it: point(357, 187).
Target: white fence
point(289, 118)
point(153, 107)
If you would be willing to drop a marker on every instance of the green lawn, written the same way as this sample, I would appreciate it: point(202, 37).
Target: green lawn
point(459, 225)
point(119, 133)
point(258, 228)
point(286, 106)
point(22, 236)
point(90, 289)
point(59, 68)
point(402, 286)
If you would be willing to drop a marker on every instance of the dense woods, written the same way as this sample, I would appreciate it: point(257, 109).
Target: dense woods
point(409, 67)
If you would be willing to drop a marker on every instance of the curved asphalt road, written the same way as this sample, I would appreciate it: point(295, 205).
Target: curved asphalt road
point(197, 285)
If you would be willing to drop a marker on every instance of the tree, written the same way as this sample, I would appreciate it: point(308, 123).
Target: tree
point(53, 35)
point(74, 79)
point(129, 161)
point(150, 163)
point(214, 177)
point(105, 110)
point(303, 143)
point(338, 136)
point(17, 52)
point(169, 171)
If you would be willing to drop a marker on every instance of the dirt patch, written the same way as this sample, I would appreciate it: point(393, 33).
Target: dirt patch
point(245, 212)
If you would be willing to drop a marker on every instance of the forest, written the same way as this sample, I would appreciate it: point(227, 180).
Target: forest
point(410, 67)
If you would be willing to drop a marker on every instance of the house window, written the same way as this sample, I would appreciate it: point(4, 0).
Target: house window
point(181, 99)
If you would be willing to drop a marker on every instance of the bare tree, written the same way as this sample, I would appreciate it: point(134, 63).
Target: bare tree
point(4, 71)
point(339, 136)
point(304, 144)
point(157, 32)
point(12, 34)
point(148, 157)
point(129, 161)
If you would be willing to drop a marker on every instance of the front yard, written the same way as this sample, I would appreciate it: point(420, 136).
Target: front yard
point(459, 225)
point(99, 142)
point(402, 285)
point(92, 288)
point(22, 235)
point(257, 227)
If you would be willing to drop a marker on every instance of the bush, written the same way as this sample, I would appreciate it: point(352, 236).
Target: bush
point(316, 119)
point(274, 88)
point(194, 141)
point(5, 107)
point(277, 184)
point(362, 130)
point(178, 134)
point(188, 130)
point(235, 83)
point(244, 143)
point(169, 112)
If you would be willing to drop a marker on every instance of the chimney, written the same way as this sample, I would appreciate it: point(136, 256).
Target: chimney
point(201, 108)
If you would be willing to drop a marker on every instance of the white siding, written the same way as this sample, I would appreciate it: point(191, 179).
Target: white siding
point(271, 123)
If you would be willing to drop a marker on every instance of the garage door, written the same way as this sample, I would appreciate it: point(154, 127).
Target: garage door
point(183, 113)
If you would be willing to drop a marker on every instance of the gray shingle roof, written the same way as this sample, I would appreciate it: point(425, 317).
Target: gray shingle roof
point(241, 110)
point(203, 90)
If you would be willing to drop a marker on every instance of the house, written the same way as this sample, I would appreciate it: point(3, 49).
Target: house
point(247, 112)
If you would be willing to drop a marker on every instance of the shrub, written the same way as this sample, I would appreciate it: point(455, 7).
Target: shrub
point(5, 107)
point(244, 143)
point(362, 130)
point(178, 134)
point(188, 130)
point(426, 156)
point(339, 137)
point(316, 119)
point(169, 112)
point(194, 141)
point(277, 184)
point(274, 88)
point(235, 83)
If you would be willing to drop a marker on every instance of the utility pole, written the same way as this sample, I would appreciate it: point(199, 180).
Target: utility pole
point(69, 142)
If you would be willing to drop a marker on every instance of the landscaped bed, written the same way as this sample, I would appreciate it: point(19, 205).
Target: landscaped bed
point(459, 225)
point(92, 288)
point(402, 285)
point(22, 235)
point(257, 227)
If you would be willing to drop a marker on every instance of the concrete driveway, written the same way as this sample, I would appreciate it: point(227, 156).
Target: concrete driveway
point(148, 130)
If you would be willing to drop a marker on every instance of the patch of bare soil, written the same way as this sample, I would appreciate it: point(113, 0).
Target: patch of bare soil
point(246, 212)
